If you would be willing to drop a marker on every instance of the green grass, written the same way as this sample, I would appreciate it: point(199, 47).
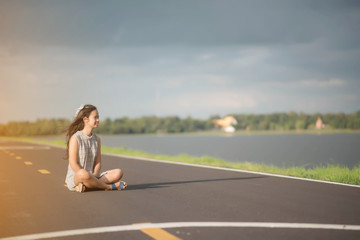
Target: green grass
point(332, 173)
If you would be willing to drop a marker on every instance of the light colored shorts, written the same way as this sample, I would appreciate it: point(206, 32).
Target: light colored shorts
point(70, 182)
point(103, 173)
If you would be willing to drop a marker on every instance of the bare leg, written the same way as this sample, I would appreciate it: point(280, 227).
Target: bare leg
point(113, 176)
point(89, 180)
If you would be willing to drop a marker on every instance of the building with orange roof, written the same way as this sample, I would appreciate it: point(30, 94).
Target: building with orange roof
point(319, 124)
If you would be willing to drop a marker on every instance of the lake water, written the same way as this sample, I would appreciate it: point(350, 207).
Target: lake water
point(305, 150)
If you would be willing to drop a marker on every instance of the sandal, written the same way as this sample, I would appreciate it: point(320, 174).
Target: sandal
point(121, 187)
point(80, 188)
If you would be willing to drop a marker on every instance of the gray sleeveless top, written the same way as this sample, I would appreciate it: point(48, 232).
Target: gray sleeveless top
point(87, 153)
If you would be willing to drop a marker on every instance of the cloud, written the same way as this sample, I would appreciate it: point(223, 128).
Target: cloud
point(205, 103)
point(217, 79)
point(334, 82)
point(171, 83)
point(333, 104)
point(206, 57)
point(251, 57)
point(80, 23)
point(314, 83)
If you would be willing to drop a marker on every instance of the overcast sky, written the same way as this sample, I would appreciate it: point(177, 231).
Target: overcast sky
point(185, 58)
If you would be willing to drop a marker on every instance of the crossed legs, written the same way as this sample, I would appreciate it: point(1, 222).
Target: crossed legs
point(105, 182)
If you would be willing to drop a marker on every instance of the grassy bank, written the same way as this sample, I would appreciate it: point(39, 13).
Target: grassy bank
point(331, 173)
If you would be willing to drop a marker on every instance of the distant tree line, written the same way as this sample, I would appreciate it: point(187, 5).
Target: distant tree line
point(152, 124)
point(292, 121)
point(40, 127)
point(174, 124)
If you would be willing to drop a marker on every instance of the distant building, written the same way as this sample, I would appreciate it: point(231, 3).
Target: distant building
point(226, 123)
point(161, 131)
point(319, 124)
point(229, 129)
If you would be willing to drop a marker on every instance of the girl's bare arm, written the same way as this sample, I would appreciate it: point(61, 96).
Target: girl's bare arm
point(73, 154)
point(97, 163)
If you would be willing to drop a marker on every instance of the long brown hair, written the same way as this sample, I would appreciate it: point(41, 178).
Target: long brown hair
point(78, 123)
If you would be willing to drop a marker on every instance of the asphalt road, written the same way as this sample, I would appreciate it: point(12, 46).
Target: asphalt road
point(166, 201)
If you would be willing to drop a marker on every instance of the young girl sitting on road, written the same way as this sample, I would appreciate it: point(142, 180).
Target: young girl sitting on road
point(83, 152)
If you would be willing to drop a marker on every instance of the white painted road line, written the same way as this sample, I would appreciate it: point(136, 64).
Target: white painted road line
point(25, 147)
point(137, 227)
point(229, 169)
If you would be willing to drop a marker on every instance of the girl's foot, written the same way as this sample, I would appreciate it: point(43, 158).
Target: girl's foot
point(121, 185)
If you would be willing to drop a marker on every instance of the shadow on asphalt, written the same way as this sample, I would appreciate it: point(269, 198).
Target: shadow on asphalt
point(167, 184)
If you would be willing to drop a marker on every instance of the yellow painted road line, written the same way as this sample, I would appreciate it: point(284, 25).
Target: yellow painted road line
point(43, 171)
point(25, 147)
point(28, 163)
point(158, 233)
point(18, 157)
